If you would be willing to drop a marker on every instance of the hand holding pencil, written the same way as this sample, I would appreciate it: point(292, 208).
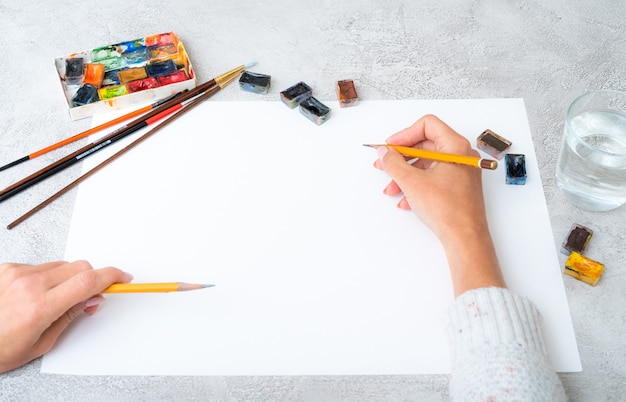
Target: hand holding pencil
point(442, 195)
point(447, 197)
point(38, 302)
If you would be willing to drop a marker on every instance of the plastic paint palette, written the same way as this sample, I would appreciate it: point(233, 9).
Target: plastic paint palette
point(123, 74)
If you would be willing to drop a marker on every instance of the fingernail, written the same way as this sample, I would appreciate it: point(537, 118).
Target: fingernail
point(404, 204)
point(381, 151)
point(94, 301)
point(129, 277)
point(386, 188)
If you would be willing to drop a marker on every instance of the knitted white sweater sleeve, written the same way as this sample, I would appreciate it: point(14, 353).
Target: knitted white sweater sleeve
point(498, 350)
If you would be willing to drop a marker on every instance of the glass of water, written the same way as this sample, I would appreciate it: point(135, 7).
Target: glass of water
point(591, 169)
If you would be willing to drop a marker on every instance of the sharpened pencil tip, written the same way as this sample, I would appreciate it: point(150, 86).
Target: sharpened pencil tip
point(249, 64)
point(207, 286)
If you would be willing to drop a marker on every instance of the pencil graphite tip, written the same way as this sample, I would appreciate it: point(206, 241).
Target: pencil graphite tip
point(249, 64)
point(183, 286)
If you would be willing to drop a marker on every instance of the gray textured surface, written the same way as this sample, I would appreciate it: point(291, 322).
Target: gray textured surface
point(546, 52)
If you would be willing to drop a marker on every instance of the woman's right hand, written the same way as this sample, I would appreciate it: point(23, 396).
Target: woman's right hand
point(445, 196)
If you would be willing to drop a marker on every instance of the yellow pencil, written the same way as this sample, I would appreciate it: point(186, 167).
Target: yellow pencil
point(440, 156)
point(153, 287)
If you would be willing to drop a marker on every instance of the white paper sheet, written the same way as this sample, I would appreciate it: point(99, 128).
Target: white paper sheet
point(316, 271)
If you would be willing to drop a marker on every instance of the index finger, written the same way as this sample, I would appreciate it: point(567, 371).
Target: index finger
point(81, 287)
point(428, 132)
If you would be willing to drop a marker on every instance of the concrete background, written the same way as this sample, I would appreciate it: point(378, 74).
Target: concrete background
point(546, 52)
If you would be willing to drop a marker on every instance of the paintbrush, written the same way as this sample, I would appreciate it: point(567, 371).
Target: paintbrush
point(225, 80)
point(137, 124)
point(87, 133)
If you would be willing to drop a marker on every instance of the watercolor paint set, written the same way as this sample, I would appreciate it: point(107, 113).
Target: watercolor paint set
point(132, 72)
